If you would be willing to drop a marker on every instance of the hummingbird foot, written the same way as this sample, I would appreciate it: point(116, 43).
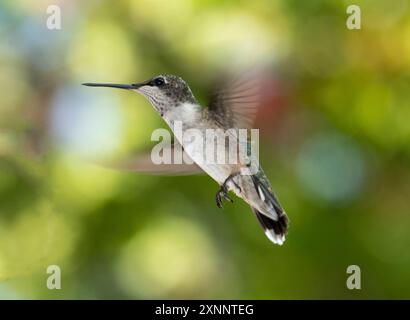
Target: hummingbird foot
point(223, 191)
point(222, 194)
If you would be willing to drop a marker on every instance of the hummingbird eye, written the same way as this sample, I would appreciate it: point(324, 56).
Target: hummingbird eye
point(158, 82)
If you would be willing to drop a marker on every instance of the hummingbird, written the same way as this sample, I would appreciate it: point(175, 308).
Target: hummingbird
point(231, 106)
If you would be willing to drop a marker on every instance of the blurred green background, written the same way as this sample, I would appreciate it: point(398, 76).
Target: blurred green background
point(335, 143)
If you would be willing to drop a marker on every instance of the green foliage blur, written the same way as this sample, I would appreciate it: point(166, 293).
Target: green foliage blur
point(335, 143)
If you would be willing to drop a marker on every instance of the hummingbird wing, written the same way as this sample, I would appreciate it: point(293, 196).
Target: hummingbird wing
point(142, 162)
point(235, 101)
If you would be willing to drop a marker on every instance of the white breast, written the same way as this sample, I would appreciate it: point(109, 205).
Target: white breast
point(187, 117)
point(188, 113)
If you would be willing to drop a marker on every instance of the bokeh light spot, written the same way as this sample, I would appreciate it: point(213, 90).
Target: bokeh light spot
point(86, 124)
point(173, 256)
point(331, 167)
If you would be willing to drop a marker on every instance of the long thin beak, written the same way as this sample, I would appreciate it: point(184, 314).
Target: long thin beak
point(115, 85)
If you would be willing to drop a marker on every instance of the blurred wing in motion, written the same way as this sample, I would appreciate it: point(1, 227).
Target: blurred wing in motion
point(143, 163)
point(235, 100)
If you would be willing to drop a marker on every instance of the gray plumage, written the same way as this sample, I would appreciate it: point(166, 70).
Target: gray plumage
point(232, 105)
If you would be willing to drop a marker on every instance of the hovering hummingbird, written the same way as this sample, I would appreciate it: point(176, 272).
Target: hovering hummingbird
point(231, 106)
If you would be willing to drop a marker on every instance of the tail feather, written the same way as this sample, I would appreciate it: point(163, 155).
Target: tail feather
point(275, 226)
point(274, 230)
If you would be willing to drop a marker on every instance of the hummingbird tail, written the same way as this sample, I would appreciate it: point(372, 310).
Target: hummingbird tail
point(274, 230)
point(276, 225)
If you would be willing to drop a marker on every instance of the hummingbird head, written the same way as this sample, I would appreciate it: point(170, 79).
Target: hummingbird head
point(163, 91)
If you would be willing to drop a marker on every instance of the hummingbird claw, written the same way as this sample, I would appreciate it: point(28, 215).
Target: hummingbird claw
point(223, 191)
point(218, 201)
point(227, 198)
point(222, 194)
